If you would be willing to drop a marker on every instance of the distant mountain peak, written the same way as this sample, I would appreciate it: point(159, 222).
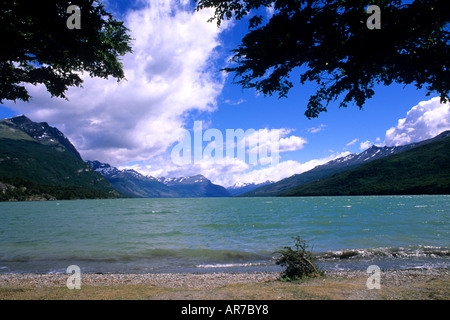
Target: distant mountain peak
point(242, 187)
point(245, 184)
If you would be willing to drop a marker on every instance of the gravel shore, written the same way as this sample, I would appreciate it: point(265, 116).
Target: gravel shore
point(166, 280)
point(389, 278)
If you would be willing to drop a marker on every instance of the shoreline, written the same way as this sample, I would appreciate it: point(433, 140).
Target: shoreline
point(421, 284)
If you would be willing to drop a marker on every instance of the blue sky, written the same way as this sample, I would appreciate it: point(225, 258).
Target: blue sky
point(173, 79)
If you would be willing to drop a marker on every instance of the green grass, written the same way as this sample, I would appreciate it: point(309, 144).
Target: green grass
point(311, 289)
point(7, 132)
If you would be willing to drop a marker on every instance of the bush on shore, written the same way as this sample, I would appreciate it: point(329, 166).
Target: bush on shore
point(298, 261)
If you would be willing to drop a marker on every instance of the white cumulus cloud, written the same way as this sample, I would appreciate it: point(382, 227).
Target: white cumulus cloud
point(365, 145)
point(170, 74)
point(231, 170)
point(272, 139)
point(276, 172)
point(425, 120)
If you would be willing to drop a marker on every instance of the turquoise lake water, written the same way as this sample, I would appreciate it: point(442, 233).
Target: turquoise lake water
point(223, 234)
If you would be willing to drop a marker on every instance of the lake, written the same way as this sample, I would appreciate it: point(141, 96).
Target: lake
point(223, 234)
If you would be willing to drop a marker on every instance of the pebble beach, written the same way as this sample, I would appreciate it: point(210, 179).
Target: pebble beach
point(166, 280)
point(344, 284)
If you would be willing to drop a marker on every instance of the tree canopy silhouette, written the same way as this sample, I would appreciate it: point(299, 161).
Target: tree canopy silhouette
point(39, 47)
point(332, 45)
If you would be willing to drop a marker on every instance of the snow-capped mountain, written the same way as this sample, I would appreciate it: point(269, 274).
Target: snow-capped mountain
point(104, 169)
point(338, 165)
point(375, 152)
point(242, 187)
point(183, 180)
point(423, 169)
point(195, 186)
point(132, 183)
point(45, 134)
point(370, 154)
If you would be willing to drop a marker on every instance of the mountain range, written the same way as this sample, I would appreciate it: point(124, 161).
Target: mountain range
point(38, 162)
point(424, 169)
point(133, 184)
point(342, 164)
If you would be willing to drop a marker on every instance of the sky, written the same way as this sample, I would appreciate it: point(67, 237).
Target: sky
point(174, 82)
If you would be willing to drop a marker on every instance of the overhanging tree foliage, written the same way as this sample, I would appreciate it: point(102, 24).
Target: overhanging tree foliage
point(332, 44)
point(39, 48)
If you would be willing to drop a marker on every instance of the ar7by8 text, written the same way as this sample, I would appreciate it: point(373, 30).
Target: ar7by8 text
point(249, 309)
